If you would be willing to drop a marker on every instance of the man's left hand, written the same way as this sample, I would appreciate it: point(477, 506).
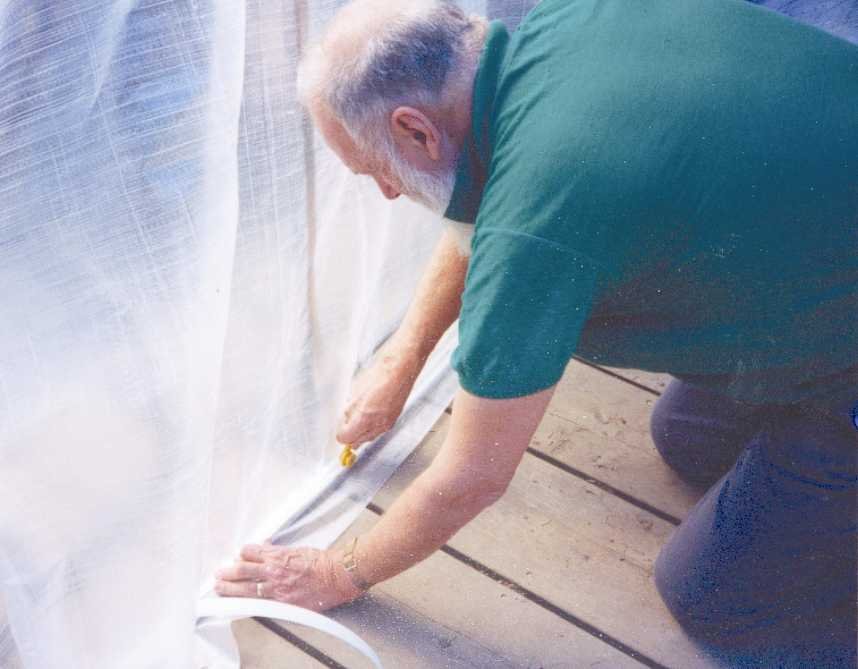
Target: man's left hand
point(305, 577)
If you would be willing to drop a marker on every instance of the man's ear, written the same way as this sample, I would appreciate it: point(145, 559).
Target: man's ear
point(413, 130)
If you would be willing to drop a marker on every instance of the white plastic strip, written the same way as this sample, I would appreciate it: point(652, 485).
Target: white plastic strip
point(227, 609)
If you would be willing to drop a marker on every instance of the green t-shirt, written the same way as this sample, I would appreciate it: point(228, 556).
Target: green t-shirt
point(666, 185)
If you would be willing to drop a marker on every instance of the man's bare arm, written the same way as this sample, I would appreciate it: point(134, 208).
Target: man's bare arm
point(486, 442)
point(438, 300)
point(380, 391)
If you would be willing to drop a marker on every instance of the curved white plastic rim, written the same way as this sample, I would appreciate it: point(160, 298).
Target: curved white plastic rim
point(228, 609)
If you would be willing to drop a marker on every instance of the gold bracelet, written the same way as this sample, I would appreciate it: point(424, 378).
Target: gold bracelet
point(350, 565)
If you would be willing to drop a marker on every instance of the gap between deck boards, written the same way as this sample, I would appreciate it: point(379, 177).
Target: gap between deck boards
point(509, 583)
point(495, 576)
point(620, 375)
point(539, 601)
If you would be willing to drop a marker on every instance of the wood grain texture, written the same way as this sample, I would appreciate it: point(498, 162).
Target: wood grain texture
point(600, 426)
point(260, 649)
point(445, 614)
point(576, 545)
point(652, 380)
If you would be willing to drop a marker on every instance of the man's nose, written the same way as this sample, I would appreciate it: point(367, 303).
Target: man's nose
point(386, 189)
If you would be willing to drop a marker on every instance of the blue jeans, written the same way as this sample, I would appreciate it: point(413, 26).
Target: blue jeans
point(764, 568)
point(839, 17)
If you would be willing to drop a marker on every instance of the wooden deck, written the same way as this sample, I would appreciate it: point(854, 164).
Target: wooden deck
point(556, 574)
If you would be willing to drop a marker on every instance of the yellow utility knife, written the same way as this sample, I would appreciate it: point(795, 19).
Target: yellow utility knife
point(348, 456)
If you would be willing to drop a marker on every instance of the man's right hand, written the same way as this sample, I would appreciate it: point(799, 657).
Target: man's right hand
point(379, 391)
point(378, 394)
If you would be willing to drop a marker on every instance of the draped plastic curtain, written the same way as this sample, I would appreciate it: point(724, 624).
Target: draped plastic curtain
point(189, 281)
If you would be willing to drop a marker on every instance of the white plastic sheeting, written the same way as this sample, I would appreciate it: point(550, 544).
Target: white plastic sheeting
point(189, 281)
point(216, 612)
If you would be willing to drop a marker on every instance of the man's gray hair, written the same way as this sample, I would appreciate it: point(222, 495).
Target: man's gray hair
point(414, 57)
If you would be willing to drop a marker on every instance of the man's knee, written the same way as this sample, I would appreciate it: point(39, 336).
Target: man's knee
point(823, 638)
point(696, 599)
point(698, 434)
point(748, 571)
point(669, 436)
point(677, 442)
point(684, 596)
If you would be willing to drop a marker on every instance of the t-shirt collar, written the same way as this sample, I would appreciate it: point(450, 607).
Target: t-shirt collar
point(475, 156)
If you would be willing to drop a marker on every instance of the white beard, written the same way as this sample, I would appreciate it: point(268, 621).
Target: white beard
point(431, 189)
point(434, 191)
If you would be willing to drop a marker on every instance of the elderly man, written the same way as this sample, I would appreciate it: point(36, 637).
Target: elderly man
point(664, 185)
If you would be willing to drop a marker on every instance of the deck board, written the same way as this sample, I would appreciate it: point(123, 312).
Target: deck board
point(442, 613)
point(600, 426)
point(577, 533)
point(260, 649)
point(581, 548)
point(652, 381)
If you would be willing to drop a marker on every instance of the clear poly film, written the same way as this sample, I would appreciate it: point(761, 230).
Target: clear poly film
point(190, 281)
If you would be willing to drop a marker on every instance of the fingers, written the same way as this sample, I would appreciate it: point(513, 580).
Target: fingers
point(238, 589)
point(351, 431)
point(253, 553)
point(264, 590)
point(243, 571)
point(266, 571)
point(360, 424)
point(270, 553)
point(362, 428)
point(302, 576)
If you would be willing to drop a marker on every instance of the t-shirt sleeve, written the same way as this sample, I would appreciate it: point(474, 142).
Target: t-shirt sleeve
point(525, 304)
